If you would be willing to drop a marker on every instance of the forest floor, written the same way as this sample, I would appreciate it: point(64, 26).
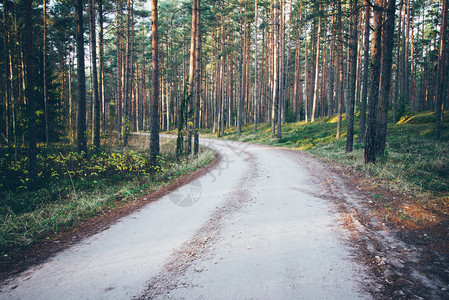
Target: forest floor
point(264, 222)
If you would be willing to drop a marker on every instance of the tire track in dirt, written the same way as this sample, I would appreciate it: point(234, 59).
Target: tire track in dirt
point(199, 247)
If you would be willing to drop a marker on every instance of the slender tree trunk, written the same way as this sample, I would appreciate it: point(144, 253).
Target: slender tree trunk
point(197, 79)
point(221, 84)
point(359, 64)
point(154, 138)
point(406, 55)
point(365, 83)
point(81, 132)
point(307, 79)
point(127, 77)
point(402, 90)
point(398, 68)
point(412, 67)
point(8, 76)
point(30, 96)
point(288, 91)
point(255, 68)
point(144, 88)
point(330, 91)
point(71, 131)
point(96, 99)
point(275, 105)
point(193, 45)
point(373, 93)
point(101, 87)
point(245, 79)
point(442, 72)
point(317, 69)
point(296, 80)
point(44, 71)
point(385, 84)
point(240, 99)
point(118, 96)
point(352, 76)
point(281, 39)
point(323, 81)
point(340, 71)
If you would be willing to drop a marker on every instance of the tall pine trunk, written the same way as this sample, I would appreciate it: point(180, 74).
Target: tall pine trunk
point(154, 109)
point(317, 69)
point(385, 84)
point(365, 74)
point(352, 77)
point(44, 72)
point(81, 75)
point(101, 86)
point(373, 92)
point(127, 111)
point(30, 95)
point(240, 97)
point(340, 72)
point(96, 99)
point(197, 81)
point(255, 69)
point(191, 90)
point(275, 105)
point(118, 93)
point(442, 72)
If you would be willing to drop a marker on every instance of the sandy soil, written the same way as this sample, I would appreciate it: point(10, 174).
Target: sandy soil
point(264, 223)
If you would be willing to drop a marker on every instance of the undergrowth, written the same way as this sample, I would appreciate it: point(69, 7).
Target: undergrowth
point(80, 186)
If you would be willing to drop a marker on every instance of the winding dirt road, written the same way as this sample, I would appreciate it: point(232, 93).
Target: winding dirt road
point(265, 223)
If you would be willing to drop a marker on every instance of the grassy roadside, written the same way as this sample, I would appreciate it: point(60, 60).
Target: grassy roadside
point(410, 182)
point(28, 216)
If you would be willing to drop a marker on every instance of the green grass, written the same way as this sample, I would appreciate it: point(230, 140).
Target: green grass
point(27, 216)
point(413, 160)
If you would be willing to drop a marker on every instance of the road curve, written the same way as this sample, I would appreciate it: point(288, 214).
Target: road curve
point(260, 225)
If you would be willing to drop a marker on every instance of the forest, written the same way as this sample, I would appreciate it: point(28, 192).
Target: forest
point(72, 72)
point(78, 76)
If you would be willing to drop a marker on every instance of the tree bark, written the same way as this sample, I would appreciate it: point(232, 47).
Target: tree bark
point(197, 79)
point(317, 69)
point(398, 67)
point(385, 84)
point(406, 75)
point(191, 91)
point(340, 72)
point(101, 86)
point(44, 71)
point(275, 106)
point(281, 39)
point(442, 72)
point(8, 76)
point(240, 99)
point(373, 93)
point(118, 96)
point(127, 77)
point(81, 129)
point(93, 56)
point(154, 127)
point(30, 95)
point(255, 68)
point(365, 75)
point(352, 77)
point(330, 88)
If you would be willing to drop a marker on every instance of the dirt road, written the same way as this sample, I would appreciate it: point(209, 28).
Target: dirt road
point(265, 223)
